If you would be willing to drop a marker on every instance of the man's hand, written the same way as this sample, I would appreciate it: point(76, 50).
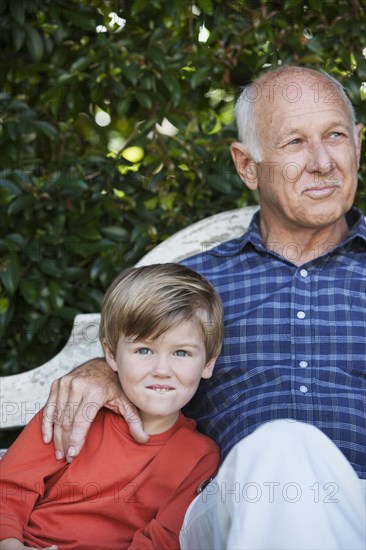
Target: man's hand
point(74, 401)
point(15, 544)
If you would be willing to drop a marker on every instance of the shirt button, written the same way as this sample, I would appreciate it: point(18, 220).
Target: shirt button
point(303, 389)
point(303, 273)
point(303, 364)
point(301, 315)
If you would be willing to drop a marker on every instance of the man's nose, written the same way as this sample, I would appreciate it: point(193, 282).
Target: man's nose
point(320, 160)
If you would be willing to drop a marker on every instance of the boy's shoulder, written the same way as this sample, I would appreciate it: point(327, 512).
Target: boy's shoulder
point(183, 434)
point(200, 442)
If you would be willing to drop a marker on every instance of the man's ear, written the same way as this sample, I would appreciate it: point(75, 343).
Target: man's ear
point(359, 129)
point(209, 367)
point(245, 165)
point(109, 357)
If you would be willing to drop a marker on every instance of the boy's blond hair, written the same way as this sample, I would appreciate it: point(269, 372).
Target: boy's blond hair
point(144, 302)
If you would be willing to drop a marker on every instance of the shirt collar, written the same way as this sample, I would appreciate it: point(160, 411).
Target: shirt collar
point(355, 220)
point(357, 224)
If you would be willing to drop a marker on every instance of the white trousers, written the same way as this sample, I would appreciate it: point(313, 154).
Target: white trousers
point(285, 487)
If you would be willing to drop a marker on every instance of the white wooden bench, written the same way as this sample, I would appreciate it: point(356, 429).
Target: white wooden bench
point(22, 395)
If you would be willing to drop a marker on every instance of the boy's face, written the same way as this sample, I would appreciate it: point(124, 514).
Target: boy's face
point(161, 376)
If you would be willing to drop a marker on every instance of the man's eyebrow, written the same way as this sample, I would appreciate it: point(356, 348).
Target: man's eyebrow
point(286, 134)
point(291, 130)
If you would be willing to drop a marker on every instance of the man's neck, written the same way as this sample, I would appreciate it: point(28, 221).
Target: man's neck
point(302, 244)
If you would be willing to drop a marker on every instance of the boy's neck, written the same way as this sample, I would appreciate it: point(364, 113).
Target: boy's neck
point(156, 425)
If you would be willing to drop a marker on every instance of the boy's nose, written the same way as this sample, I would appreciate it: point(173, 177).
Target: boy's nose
point(161, 366)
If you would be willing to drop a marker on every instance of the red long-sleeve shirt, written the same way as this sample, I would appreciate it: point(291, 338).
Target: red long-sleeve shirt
point(116, 494)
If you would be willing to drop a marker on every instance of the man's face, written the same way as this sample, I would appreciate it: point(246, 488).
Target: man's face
point(308, 173)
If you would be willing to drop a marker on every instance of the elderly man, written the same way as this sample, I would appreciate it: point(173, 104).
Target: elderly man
point(287, 401)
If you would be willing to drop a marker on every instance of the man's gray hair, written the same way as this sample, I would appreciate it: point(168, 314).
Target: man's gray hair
point(250, 95)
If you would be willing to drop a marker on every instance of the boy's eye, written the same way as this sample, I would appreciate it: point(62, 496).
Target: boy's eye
point(143, 351)
point(181, 353)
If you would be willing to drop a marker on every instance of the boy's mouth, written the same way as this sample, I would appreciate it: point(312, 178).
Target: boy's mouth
point(160, 389)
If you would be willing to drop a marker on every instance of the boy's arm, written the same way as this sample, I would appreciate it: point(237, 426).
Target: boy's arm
point(163, 530)
point(24, 468)
point(64, 419)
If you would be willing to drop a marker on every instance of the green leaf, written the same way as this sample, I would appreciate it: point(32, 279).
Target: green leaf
point(12, 129)
point(10, 273)
point(17, 10)
point(88, 232)
point(144, 99)
point(10, 186)
point(291, 4)
point(68, 313)
point(311, 58)
point(15, 239)
point(3, 5)
point(34, 43)
point(29, 290)
point(172, 84)
point(146, 126)
point(4, 305)
point(99, 267)
point(156, 55)
point(46, 128)
point(56, 295)
point(206, 6)
point(19, 204)
point(18, 36)
point(73, 273)
point(132, 73)
point(152, 203)
point(35, 326)
point(199, 76)
point(71, 184)
point(115, 232)
point(316, 4)
point(81, 63)
point(49, 267)
point(138, 6)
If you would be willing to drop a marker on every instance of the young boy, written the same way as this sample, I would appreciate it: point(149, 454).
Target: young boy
point(162, 330)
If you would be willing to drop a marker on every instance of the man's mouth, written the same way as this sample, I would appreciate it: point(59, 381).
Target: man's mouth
point(321, 190)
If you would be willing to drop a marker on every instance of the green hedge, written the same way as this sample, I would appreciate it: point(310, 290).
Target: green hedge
point(78, 204)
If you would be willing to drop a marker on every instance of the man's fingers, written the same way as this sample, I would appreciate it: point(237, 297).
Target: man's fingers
point(61, 406)
point(73, 403)
point(137, 432)
point(132, 417)
point(48, 413)
point(66, 405)
point(83, 416)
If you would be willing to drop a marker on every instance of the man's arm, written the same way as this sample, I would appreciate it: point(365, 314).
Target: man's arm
point(74, 401)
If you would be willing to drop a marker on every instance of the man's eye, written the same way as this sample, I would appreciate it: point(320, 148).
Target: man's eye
point(143, 351)
point(295, 141)
point(182, 353)
point(336, 135)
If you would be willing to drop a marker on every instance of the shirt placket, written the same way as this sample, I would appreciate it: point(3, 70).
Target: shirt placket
point(302, 353)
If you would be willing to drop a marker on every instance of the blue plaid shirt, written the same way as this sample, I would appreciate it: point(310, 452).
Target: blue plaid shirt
point(295, 341)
